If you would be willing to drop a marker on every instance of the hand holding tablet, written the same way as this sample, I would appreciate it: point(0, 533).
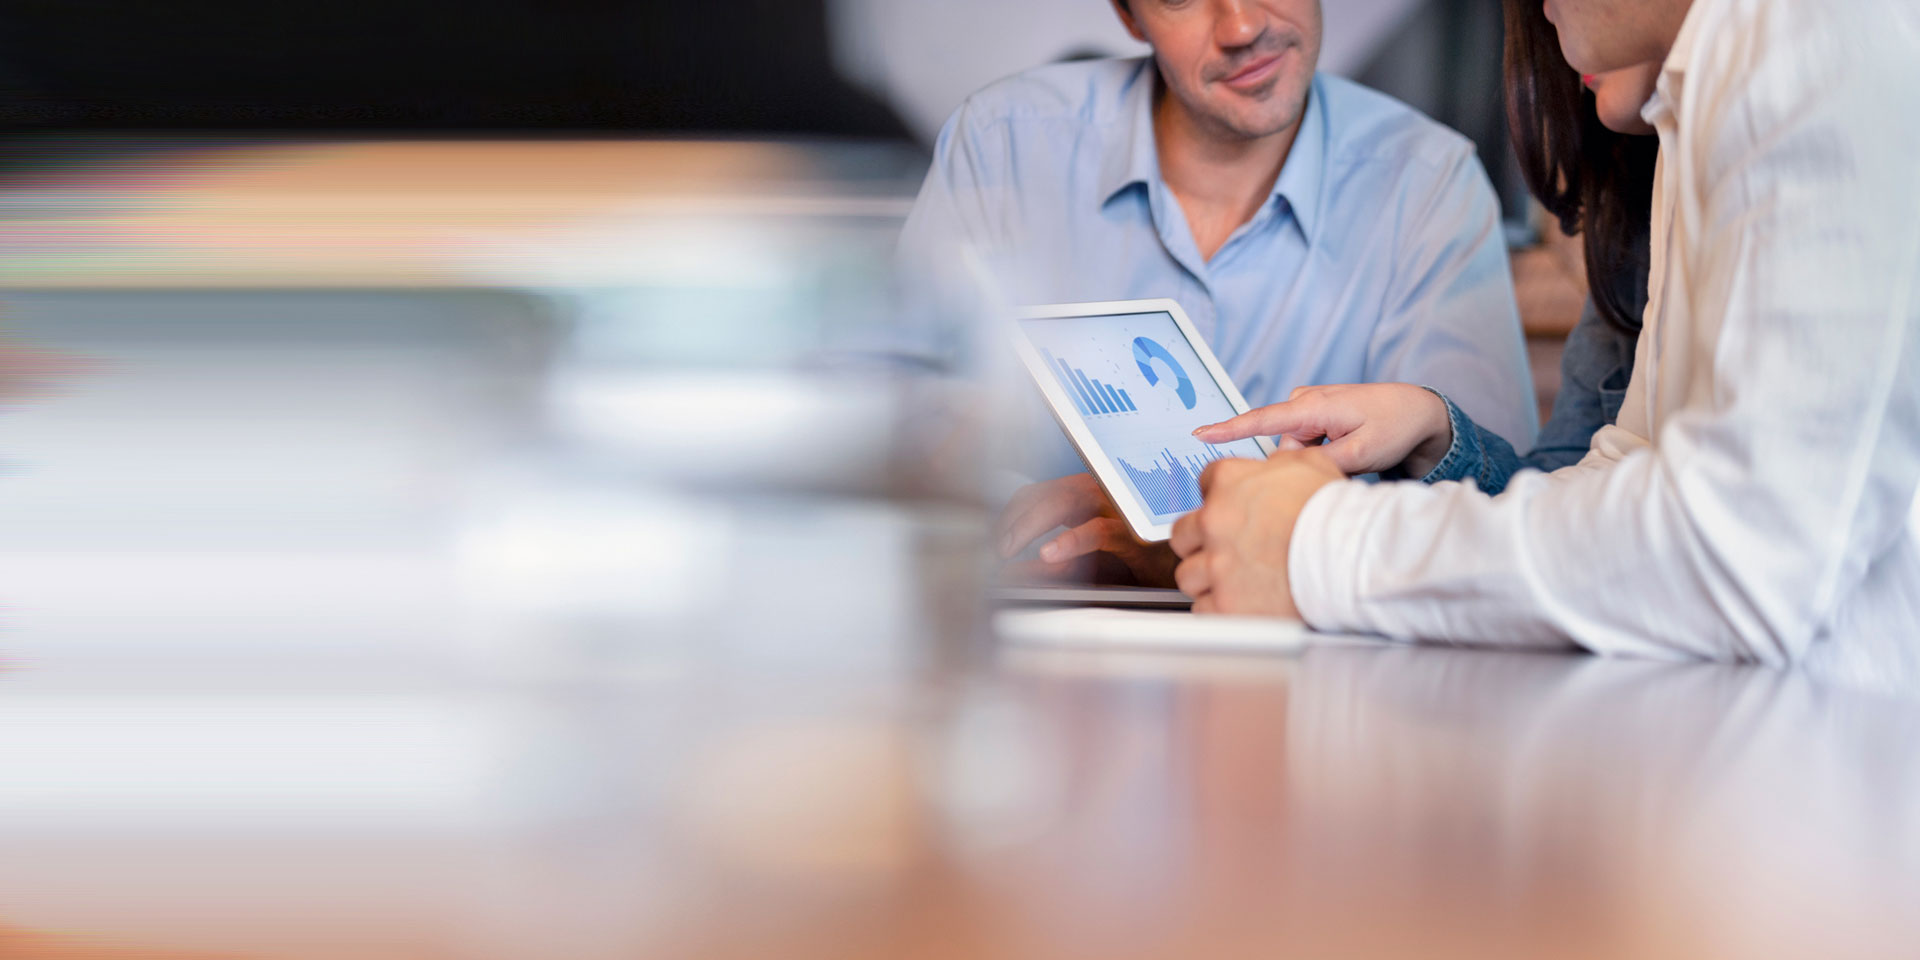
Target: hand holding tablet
point(1129, 382)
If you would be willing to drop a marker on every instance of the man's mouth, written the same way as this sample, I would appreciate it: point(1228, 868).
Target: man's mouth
point(1255, 73)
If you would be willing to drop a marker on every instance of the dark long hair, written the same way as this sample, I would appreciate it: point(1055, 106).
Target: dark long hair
point(1594, 181)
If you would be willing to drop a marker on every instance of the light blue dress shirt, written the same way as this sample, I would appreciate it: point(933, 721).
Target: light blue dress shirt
point(1379, 256)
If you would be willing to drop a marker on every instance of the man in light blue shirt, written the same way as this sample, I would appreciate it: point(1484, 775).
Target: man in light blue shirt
point(1315, 231)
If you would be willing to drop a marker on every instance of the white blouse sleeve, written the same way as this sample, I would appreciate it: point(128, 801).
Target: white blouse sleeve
point(1777, 454)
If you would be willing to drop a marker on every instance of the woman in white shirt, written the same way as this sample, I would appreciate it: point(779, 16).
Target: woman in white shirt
point(1588, 156)
point(1756, 499)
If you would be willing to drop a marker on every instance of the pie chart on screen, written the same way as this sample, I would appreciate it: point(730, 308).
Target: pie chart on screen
point(1145, 351)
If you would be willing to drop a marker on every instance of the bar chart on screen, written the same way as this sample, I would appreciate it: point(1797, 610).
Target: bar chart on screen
point(1172, 483)
point(1091, 397)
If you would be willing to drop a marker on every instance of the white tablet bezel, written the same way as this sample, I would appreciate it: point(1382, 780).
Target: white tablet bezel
point(1068, 414)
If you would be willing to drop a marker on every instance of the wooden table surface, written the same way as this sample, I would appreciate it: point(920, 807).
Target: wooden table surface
point(921, 797)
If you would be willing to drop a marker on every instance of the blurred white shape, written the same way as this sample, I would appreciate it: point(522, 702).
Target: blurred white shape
point(757, 427)
point(115, 758)
point(925, 57)
point(585, 553)
point(193, 608)
point(639, 245)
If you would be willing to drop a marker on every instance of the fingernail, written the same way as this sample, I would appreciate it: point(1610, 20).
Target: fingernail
point(1050, 552)
point(1006, 545)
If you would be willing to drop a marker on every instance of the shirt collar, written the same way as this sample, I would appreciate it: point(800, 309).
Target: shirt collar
point(1681, 53)
point(1305, 170)
point(1132, 157)
point(1673, 71)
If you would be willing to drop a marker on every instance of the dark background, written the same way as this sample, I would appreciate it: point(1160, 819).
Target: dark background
point(260, 65)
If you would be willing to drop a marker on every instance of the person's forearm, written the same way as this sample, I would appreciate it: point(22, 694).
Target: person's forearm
point(1437, 428)
point(1611, 557)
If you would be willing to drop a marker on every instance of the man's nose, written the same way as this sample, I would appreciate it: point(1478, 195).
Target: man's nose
point(1237, 23)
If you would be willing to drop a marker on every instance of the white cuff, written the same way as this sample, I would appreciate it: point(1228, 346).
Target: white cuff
point(1323, 561)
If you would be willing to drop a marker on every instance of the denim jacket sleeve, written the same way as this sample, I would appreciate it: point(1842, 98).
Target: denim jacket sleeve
point(1594, 372)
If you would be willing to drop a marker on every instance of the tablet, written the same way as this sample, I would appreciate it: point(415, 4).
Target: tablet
point(1129, 381)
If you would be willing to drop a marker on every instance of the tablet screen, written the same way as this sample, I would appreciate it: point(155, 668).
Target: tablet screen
point(1141, 390)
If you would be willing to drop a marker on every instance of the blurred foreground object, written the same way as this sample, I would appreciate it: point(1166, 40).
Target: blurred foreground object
point(555, 406)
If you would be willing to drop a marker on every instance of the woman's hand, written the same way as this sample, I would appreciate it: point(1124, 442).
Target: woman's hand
point(1368, 427)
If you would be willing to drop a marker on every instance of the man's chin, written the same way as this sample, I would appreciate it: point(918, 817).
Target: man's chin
point(1268, 110)
point(1262, 113)
point(1260, 126)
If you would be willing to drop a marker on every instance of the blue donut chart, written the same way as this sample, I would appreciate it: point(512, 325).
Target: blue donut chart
point(1146, 350)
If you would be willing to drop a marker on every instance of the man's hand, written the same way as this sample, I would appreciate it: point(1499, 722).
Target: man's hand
point(1368, 427)
point(1233, 550)
point(1095, 531)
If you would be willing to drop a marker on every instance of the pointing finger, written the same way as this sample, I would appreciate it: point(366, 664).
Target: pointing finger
point(1267, 421)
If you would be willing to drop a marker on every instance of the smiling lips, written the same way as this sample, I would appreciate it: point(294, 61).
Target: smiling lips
point(1254, 74)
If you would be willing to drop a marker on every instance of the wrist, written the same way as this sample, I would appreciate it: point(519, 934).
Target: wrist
point(1436, 438)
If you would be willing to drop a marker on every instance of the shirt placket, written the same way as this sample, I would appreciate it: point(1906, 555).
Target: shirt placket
point(1269, 217)
point(1176, 238)
point(1666, 212)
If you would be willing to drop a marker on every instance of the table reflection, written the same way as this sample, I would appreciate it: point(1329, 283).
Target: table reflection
point(1618, 808)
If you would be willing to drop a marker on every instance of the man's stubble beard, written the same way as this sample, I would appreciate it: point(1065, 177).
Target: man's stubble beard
point(1226, 126)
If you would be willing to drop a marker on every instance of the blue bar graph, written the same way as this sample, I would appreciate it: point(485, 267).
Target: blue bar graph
point(1172, 484)
point(1091, 397)
point(1080, 399)
point(1093, 389)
